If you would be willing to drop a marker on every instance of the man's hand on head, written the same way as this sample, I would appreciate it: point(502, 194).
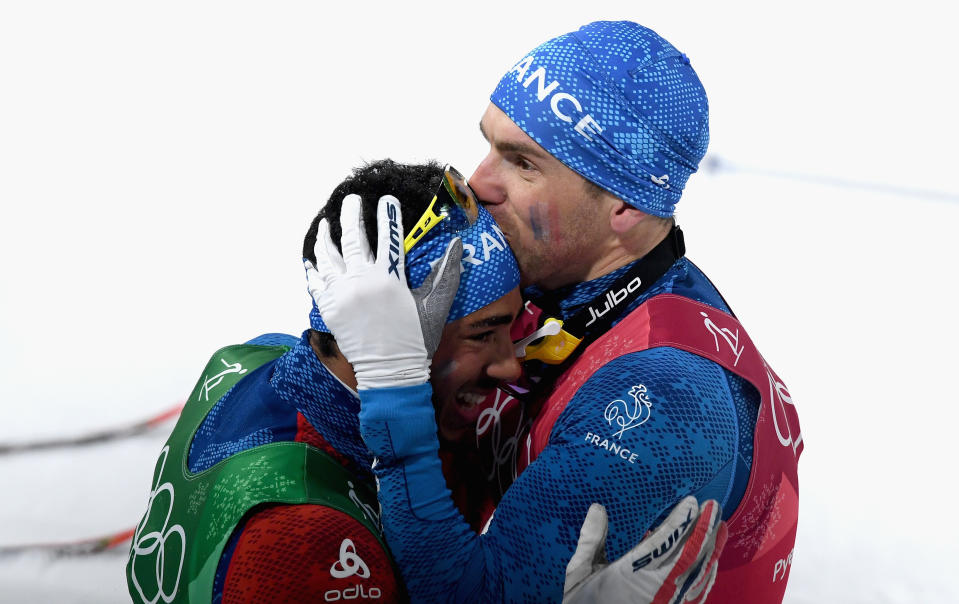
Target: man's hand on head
point(387, 332)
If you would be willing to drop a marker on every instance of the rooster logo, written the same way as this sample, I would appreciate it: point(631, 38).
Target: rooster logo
point(627, 416)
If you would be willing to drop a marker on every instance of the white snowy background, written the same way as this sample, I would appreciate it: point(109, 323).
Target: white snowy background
point(160, 162)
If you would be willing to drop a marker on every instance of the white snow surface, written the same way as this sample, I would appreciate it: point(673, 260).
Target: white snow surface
point(159, 165)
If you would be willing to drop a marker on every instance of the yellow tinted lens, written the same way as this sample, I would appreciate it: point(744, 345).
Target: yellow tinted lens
point(461, 193)
point(453, 201)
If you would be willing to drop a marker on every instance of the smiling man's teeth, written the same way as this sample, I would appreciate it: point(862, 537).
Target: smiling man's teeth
point(470, 398)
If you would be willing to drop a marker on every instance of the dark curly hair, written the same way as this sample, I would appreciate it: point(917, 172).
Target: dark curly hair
point(412, 184)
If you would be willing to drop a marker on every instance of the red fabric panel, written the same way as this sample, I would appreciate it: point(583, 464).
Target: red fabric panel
point(306, 433)
point(308, 553)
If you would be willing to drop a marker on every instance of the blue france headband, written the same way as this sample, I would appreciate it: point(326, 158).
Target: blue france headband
point(616, 103)
point(489, 268)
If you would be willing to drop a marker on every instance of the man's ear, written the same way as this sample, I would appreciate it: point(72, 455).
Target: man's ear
point(623, 217)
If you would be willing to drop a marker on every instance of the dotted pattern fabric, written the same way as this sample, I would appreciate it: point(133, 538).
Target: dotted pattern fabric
point(269, 405)
point(329, 406)
point(686, 279)
point(489, 267)
point(286, 554)
point(649, 108)
point(247, 416)
point(689, 444)
point(262, 408)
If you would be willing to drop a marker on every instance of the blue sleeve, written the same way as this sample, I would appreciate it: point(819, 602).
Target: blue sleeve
point(607, 446)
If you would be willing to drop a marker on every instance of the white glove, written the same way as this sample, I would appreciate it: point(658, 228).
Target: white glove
point(676, 563)
point(387, 332)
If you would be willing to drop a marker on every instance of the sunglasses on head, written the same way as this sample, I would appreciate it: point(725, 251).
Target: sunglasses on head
point(453, 201)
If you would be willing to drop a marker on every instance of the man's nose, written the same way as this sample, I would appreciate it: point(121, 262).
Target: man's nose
point(505, 366)
point(485, 184)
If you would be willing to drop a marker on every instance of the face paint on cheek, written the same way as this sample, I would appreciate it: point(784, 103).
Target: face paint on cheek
point(445, 369)
point(539, 220)
point(544, 221)
point(552, 211)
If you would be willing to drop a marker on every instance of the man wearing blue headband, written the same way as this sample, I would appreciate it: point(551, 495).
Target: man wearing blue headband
point(263, 492)
point(639, 385)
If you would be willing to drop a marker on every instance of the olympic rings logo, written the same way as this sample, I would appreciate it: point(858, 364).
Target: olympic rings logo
point(157, 542)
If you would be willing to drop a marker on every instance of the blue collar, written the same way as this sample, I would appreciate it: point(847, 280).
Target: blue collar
point(333, 410)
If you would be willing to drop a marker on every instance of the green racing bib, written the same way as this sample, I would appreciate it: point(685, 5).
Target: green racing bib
point(189, 518)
